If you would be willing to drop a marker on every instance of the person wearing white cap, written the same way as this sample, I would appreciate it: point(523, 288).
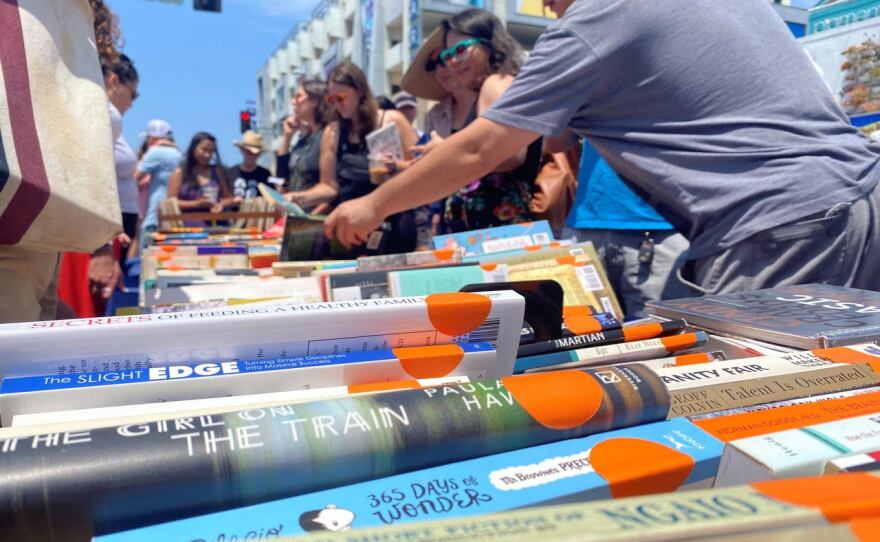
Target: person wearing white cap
point(406, 104)
point(246, 176)
point(157, 165)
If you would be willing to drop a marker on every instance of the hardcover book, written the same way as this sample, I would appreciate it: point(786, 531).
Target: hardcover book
point(502, 238)
point(804, 316)
point(672, 456)
point(65, 347)
point(184, 467)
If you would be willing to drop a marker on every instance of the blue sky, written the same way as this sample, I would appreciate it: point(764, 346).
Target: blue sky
point(198, 69)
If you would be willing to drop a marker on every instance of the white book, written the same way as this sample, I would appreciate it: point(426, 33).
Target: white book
point(796, 452)
point(37, 394)
point(69, 347)
point(119, 415)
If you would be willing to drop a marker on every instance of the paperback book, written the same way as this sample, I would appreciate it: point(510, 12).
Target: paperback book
point(422, 258)
point(443, 279)
point(499, 239)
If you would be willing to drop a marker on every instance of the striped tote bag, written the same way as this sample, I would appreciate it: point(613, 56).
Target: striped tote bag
point(57, 177)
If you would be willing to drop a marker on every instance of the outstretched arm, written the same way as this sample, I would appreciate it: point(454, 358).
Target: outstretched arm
point(467, 155)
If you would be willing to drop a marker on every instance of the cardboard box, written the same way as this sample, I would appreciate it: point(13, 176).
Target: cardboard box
point(67, 347)
point(654, 458)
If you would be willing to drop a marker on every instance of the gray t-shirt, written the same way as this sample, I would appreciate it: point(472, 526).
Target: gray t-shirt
point(709, 109)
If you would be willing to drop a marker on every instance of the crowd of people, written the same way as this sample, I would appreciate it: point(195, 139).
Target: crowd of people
point(689, 181)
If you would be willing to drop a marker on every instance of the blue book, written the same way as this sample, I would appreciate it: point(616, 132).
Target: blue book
point(664, 456)
point(502, 238)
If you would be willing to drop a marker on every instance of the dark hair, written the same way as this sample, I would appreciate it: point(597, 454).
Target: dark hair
point(108, 39)
point(385, 103)
point(316, 90)
point(189, 164)
point(124, 69)
point(348, 74)
point(505, 53)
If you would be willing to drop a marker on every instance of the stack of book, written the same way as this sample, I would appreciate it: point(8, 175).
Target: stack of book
point(489, 389)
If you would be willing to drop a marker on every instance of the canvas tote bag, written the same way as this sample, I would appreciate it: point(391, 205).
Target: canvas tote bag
point(57, 175)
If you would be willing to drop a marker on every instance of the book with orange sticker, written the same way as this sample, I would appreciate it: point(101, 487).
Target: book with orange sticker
point(443, 279)
point(582, 284)
point(178, 468)
point(498, 239)
point(66, 347)
point(762, 507)
point(654, 458)
point(423, 258)
point(36, 394)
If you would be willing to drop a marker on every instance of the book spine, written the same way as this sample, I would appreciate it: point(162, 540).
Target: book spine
point(588, 469)
point(761, 390)
point(612, 353)
point(602, 336)
point(865, 462)
point(167, 470)
point(789, 402)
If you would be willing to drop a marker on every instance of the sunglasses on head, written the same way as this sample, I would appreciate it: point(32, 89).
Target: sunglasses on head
point(457, 49)
point(434, 61)
point(337, 98)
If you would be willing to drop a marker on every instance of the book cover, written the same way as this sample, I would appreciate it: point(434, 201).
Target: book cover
point(423, 258)
point(581, 285)
point(184, 467)
point(788, 402)
point(555, 249)
point(670, 456)
point(66, 347)
point(804, 316)
point(863, 462)
point(700, 514)
point(796, 452)
point(34, 394)
point(444, 279)
point(359, 285)
point(501, 238)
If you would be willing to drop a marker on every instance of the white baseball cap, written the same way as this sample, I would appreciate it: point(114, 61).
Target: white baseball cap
point(157, 128)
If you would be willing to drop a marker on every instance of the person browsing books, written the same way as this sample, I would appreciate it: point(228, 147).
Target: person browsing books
point(159, 162)
point(200, 184)
point(768, 190)
point(299, 165)
point(345, 164)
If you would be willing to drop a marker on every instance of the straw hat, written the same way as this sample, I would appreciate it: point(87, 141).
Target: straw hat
point(250, 141)
point(417, 80)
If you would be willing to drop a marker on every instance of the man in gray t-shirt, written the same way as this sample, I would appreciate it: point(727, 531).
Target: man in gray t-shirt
point(711, 111)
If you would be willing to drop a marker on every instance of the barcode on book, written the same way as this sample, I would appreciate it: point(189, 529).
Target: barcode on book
point(487, 332)
point(541, 239)
point(606, 304)
point(590, 279)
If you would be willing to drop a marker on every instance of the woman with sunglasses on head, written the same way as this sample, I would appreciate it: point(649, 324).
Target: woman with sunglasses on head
point(200, 183)
point(428, 77)
point(484, 58)
point(300, 164)
point(345, 167)
point(121, 83)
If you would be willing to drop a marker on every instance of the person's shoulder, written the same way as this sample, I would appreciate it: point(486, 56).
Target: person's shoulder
point(392, 115)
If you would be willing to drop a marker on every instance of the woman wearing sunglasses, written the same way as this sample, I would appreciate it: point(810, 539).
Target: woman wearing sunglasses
point(484, 58)
point(344, 165)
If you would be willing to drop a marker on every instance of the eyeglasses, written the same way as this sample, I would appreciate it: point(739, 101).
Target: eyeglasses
point(458, 49)
point(434, 61)
point(134, 93)
point(337, 98)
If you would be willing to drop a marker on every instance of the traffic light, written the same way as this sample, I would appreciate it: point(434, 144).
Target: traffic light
point(208, 5)
point(245, 117)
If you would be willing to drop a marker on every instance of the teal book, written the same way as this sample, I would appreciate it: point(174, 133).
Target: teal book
point(443, 279)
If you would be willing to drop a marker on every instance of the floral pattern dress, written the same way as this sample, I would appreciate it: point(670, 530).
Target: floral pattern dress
point(497, 199)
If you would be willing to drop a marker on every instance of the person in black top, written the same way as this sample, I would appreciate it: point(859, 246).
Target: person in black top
point(299, 165)
point(344, 167)
point(244, 177)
